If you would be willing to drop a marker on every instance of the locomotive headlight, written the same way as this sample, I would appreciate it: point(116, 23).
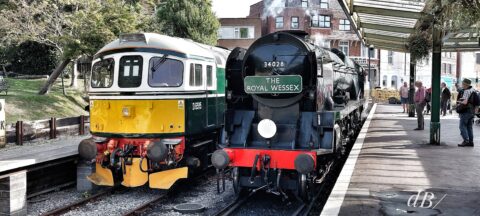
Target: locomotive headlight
point(267, 128)
point(127, 111)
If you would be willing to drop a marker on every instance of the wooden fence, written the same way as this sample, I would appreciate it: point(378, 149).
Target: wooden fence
point(47, 129)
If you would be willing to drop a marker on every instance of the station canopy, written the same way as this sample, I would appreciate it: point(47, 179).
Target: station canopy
point(387, 24)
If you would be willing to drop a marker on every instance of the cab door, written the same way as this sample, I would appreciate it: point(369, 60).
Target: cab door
point(211, 96)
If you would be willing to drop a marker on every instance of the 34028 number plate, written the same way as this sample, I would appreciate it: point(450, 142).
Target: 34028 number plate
point(274, 64)
point(273, 84)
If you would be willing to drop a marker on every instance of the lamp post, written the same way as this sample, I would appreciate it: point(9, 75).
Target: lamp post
point(370, 50)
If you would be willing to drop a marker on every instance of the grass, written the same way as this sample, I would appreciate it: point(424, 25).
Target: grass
point(23, 102)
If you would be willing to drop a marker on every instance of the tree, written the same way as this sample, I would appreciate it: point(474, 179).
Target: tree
point(192, 19)
point(33, 58)
point(450, 16)
point(73, 27)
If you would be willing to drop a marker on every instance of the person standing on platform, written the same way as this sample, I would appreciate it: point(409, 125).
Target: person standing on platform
point(466, 112)
point(420, 104)
point(428, 99)
point(404, 96)
point(445, 99)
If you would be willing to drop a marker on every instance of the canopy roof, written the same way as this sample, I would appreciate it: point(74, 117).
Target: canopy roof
point(387, 24)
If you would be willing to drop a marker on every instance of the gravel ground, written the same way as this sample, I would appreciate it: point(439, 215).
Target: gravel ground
point(263, 204)
point(117, 203)
point(202, 192)
point(12, 148)
point(47, 202)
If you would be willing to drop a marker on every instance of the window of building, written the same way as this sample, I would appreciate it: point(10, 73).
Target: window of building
point(209, 76)
point(233, 32)
point(343, 45)
point(102, 73)
point(344, 25)
point(196, 77)
point(294, 23)
point(164, 72)
point(324, 22)
point(394, 81)
point(449, 69)
point(279, 22)
point(130, 72)
point(323, 3)
point(442, 69)
point(390, 57)
point(384, 81)
point(321, 21)
point(304, 3)
point(478, 58)
point(314, 21)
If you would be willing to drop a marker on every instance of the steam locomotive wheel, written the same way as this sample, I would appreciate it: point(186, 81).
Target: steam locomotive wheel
point(237, 188)
point(303, 188)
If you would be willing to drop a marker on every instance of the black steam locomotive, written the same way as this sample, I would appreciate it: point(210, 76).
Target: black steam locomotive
point(291, 108)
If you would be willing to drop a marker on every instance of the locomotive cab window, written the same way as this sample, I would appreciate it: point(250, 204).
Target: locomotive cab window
point(102, 73)
point(196, 75)
point(164, 72)
point(130, 72)
point(209, 76)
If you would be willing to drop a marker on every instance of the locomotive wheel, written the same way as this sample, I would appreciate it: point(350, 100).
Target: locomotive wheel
point(303, 188)
point(237, 188)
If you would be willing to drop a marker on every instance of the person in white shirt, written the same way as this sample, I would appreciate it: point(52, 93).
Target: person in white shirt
point(404, 96)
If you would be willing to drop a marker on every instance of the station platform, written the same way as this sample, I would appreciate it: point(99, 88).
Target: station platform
point(392, 170)
point(24, 170)
point(36, 152)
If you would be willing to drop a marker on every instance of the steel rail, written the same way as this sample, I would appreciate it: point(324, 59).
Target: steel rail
point(78, 203)
point(140, 209)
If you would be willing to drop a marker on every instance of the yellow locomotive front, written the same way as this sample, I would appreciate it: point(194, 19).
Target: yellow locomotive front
point(142, 105)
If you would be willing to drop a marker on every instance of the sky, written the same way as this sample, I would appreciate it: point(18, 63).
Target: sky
point(232, 8)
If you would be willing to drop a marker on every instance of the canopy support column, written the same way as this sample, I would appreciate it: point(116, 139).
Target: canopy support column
point(411, 92)
point(436, 73)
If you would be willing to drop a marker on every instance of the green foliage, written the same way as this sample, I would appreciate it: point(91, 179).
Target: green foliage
point(449, 16)
point(96, 25)
point(460, 14)
point(73, 27)
point(419, 45)
point(33, 58)
point(192, 19)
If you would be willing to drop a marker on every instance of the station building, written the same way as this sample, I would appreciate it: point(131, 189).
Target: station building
point(239, 32)
point(324, 20)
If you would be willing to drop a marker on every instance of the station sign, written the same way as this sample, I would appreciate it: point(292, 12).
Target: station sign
point(281, 84)
point(3, 139)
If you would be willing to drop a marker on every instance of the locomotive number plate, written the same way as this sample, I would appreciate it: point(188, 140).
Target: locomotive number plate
point(274, 64)
point(273, 84)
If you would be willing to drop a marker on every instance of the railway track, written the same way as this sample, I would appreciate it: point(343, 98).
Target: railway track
point(235, 205)
point(141, 209)
point(150, 204)
point(79, 203)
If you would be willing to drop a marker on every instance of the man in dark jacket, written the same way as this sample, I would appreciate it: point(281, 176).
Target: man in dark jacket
point(466, 117)
point(445, 99)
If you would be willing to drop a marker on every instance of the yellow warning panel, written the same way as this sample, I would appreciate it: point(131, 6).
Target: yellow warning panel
point(165, 179)
point(102, 176)
point(137, 116)
point(133, 176)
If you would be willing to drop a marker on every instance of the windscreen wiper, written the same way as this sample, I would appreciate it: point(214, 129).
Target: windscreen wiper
point(160, 62)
